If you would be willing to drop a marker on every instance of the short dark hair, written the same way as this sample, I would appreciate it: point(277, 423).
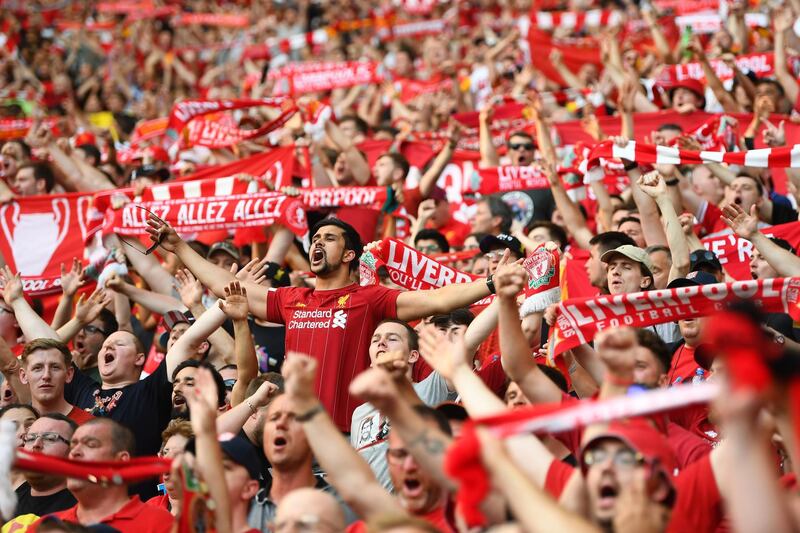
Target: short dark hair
point(411, 333)
point(555, 376)
point(110, 324)
point(609, 240)
point(46, 344)
point(670, 126)
point(352, 240)
point(62, 418)
point(759, 185)
point(91, 151)
point(557, 233)
point(431, 414)
point(498, 208)
point(41, 171)
point(122, 438)
point(783, 243)
point(360, 124)
point(774, 83)
point(433, 235)
point(191, 363)
point(11, 406)
point(399, 161)
point(461, 317)
point(629, 219)
point(650, 340)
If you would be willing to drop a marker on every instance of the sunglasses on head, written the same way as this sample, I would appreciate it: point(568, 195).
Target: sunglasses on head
point(139, 248)
point(521, 146)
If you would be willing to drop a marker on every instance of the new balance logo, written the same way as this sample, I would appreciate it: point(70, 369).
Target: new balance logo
point(339, 319)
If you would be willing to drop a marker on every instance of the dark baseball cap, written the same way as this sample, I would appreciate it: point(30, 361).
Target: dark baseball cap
point(237, 449)
point(150, 171)
point(693, 279)
point(224, 246)
point(704, 257)
point(491, 243)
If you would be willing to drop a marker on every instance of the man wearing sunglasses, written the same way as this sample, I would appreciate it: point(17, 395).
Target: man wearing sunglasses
point(43, 494)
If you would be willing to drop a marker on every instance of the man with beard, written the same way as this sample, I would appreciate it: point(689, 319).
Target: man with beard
point(417, 492)
point(335, 320)
point(43, 494)
point(183, 381)
point(103, 439)
point(46, 369)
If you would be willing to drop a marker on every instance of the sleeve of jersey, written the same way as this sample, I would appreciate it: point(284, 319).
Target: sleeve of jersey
point(557, 477)
point(275, 299)
point(699, 504)
point(571, 439)
point(383, 301)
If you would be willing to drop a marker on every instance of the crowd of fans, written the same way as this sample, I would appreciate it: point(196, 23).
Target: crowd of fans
point(290, 396)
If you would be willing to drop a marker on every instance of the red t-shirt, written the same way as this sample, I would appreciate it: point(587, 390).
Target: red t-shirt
point(133, 517)
point(79, 416)
point(709, 217)
point(683, 366)
point(557, 477)
point(437, 517)
point(162, 501)
point(688, 447)
point(335, 327)
point(454, 231)
point(698, 507)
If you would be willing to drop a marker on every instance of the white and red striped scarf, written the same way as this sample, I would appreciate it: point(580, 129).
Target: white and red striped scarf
point(782, 157)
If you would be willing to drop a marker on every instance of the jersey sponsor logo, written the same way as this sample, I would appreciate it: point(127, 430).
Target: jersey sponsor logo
point(339, 319)
point(317, 319)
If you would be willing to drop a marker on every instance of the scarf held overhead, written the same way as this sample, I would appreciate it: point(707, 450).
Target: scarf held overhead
point(578, 320)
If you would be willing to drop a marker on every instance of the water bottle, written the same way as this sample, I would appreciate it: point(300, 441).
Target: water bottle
point(698, 376)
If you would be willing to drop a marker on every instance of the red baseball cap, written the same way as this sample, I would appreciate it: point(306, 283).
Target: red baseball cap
point(158, 153)
point(692, 85)
point(641, 436)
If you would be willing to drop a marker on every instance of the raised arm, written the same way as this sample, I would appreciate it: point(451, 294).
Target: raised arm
point(746, 226)
point(428, 180)
point(516, 355)
point(191, 292)
point(356, 161)
point(573, 218)
point(232, 420)
point(346, 470)
point(210, 275)
point(655, 187)
point(31, 324)
point(71, 281)
point(86, 311)
point(194, 337)
point(783, 21)
point(152, 301)
point(725, 98)
point(489, 157)
point(235, 307)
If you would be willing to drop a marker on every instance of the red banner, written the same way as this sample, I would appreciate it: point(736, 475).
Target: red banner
point(682, 7)
point(762, 65)
point(578, 320)
point(575, 20)
point(17, 128)
point(223, 20)
point(510, 178)
point(39, 233)
point(315, 77)
point(734, 252)
point(318, 198)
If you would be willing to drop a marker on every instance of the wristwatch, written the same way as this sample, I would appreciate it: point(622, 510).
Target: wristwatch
point(490, 284)
point(672, 183)
point(779, 339)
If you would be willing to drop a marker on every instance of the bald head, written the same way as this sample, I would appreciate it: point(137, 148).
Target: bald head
point(303, 502)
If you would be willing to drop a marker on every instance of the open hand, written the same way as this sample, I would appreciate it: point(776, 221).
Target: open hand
point(235, 303)
point(744, 225)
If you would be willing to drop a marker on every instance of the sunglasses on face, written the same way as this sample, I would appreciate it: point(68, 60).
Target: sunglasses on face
point(229, 383)
point(521, 146)
point(91, 330)
point(624, 458)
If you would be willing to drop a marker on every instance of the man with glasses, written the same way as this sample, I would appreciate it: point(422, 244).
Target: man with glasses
point(102, 439)
point(46, 370)
point(43, 494)
point(89, 340)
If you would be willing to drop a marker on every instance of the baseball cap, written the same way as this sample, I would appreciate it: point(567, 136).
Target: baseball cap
point(693, 279)
point(690, 84)
point(224, 246)
point(704, 257)
point(172, 319)
point(148, 171)
point(640, 436)
point(634, 253)
point(491, 243)
point(238, 450)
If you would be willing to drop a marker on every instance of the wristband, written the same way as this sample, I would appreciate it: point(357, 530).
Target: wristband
point(276, 274)
point(672, 183)
point(311, 413)
point(250, 405)
point(490, 284)
point(630, 165)
point(613, 379)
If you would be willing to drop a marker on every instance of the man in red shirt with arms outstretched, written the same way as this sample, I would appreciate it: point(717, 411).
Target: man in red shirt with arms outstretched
point(335, 320)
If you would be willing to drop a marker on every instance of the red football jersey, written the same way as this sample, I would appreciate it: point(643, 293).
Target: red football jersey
point(335, 327)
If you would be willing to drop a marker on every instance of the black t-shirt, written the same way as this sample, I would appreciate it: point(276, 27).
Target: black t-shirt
point(144, 407)
point(270, 343)
point(782, 213)
point(42, 505)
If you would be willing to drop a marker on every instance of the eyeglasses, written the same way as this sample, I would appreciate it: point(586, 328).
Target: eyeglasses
point(229, 383)
point(49, 437)
point(521, 146)
point(304, 523)
point(624, 458)
point(432, 249)
point(396, 455)
point(139, 248)
point(91, 330)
